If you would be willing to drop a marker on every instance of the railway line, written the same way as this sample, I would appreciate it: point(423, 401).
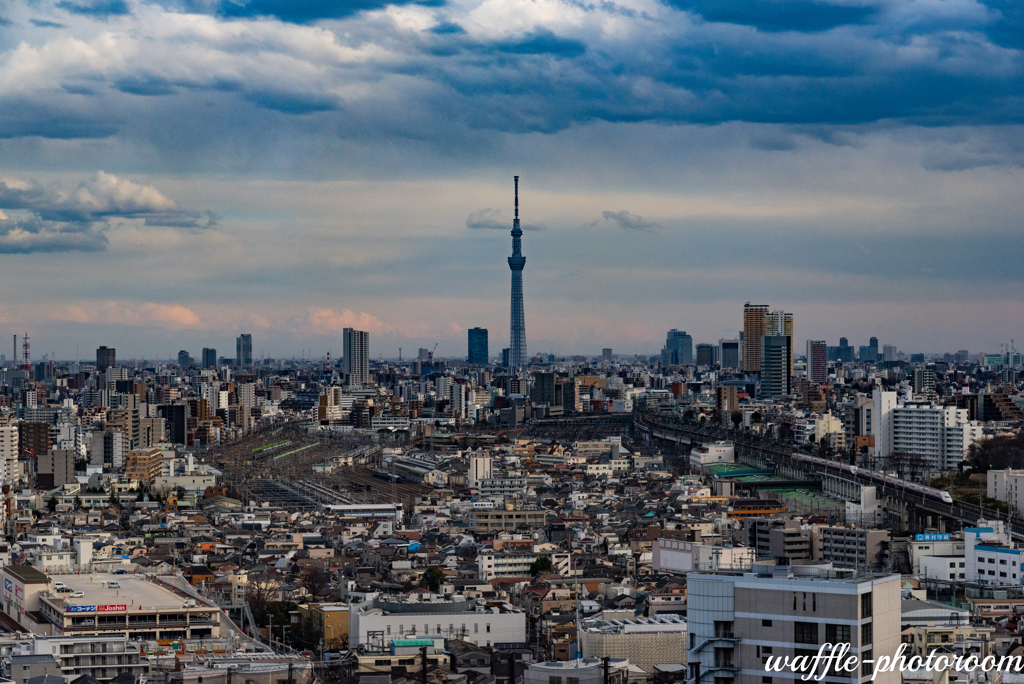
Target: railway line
point(770, 451)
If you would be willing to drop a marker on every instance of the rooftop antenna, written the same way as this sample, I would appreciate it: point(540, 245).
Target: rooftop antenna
point(26, 362)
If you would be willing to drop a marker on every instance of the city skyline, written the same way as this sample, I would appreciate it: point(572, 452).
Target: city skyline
point(187, 190)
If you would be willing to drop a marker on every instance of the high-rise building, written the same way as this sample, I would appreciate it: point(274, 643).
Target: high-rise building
point(184, 360)
point(729, 353)
point(924, 380)
point(477, 347)
point(873, 343)
point(754, 320)
point(776, 351)
point(705, 355)
point(844, 353)
point(817, 361)
point(105, 357)
point(889, 352)
point(737, 621)
point(517, 326)
point(781, 323)
point(357, 356)
point(678, 349)
point(209, 358)
point(606, 355)
point(243, 350)
point(937, 436)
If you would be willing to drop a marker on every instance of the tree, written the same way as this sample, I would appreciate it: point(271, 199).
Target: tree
point(52, 503)
point(260, 592)
point(314, 580)
point(541, 565)
point(755, 417)
point(434, 577)
point(114, 501)
point(737, 418)
point(78, 503)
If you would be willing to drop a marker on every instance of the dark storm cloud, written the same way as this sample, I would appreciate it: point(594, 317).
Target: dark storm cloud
point(292, 11)
point(778, 15)
point(797, 63)
point(96, 8)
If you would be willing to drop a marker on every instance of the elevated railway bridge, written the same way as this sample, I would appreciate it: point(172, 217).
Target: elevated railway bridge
point(904, 510)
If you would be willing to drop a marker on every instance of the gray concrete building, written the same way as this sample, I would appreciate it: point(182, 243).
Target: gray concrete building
point(736, 622)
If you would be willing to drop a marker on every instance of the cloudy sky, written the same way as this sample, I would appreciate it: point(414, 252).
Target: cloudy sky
point(174, 172)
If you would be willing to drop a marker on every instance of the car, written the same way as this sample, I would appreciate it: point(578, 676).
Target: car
point(77, 594)
point(113, 585)
point(63, 590)
point(120, 572)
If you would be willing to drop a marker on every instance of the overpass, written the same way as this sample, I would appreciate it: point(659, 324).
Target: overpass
point(905, 510)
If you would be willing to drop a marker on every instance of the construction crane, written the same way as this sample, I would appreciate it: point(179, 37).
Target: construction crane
point(430, 355)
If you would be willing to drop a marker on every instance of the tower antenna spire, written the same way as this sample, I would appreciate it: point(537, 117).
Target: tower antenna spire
point(517, 195)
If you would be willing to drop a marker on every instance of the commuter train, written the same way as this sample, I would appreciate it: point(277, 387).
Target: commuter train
point(390, 477)
point(877, 478)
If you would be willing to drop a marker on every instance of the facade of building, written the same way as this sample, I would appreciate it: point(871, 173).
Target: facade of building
point(754, 323)
point(379, 622)
point(775, 366)
point(105, 358)
point(736, 621)
point(729, 353)
point(209, 358)
point(478, 353)
point(243, 350)
point(144, 465)
point(356, 356)
point(678, 349)
point(938, 435)
point(817, 361)
point(1007, 486)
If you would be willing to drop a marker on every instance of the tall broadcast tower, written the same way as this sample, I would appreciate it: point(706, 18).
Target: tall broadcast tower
point(516, 262)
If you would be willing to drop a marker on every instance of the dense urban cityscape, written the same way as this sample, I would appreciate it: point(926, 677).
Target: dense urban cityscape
point(740, 402)
point(506, 518)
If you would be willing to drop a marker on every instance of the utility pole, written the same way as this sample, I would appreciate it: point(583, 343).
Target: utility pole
point(607, 673)
point(423, 670)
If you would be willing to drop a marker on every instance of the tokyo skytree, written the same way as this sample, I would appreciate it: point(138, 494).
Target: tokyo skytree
point(516, 262)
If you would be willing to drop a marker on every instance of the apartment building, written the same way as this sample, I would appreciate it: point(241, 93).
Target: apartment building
point(779, 538)
point(1007, 486)
point(144, 465)
point(853, 547)
point(496, 520)
point(736, 622)
point(940, 435)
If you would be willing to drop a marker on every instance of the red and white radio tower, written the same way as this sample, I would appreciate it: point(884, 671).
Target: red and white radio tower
point(26, 356)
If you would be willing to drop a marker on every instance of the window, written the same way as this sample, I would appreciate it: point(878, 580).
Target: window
point(488, 630)
point(401, 629)
point(865, 665)
point(476, 628)
point(554, 680)
point(805, 632)
point(438, 629)
point(766, 650)
point(865, 605)
point(952, 564)
point(766, 680)
point(1002, 562)
point(992, 560)
point(814, 602)
point(837, 634)
point(961, 565)
point(389, 630)
point(572, 680)
point(865, 634)
point(766, 623)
